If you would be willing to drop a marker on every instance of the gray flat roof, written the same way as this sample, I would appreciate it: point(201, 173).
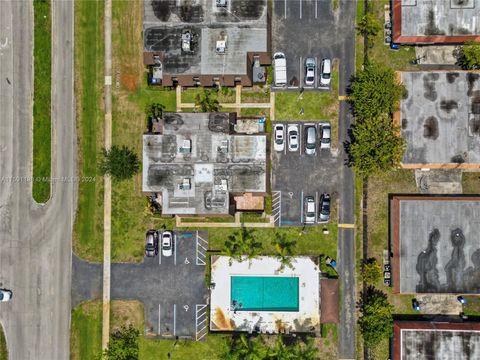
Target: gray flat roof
point(440, 17)
point(439, 245)
point(440, 118)
point(217, 164)
point(430, 344)
point(243, 23)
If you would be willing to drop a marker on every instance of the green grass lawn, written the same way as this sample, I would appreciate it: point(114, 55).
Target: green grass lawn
point(86, 331)
point(88, 234)
point(3, 346)
point(256, 95)
point(310, 241)
point(225, 95)
point(42, 96)
point(381, 53)
point(316, 106)
point(471, 182)
point(86, 336)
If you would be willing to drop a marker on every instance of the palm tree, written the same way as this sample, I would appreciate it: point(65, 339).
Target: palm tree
point(243, 348)
point(307, 351)
point(207, 101)
point(280, 351)
point(242, 245)
point(285, 249)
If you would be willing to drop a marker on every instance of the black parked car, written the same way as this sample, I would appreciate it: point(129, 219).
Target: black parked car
point(151, 243)
point(324, 208)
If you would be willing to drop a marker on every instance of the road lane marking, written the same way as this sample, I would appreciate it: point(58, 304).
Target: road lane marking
point(300, 9)
point(285, 13)
point(343, 97)
point(346, 226)
point(316, 8)
point(174, 319)
point(158, 332)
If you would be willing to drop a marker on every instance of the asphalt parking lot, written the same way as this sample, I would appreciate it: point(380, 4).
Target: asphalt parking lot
point(172, 289)
point(301, 29)
point(296, 175)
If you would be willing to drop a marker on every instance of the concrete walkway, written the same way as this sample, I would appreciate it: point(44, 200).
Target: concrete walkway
point(107, 199)
point(236, 224)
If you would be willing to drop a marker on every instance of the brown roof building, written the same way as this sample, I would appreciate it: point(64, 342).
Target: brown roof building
point(206, 43)
point(435, 22)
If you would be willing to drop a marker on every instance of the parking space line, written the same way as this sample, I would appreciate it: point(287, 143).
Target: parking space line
point(301, 207)
point(301, 71)
point(277, 206)
point(300, 9)
point(200, 312)
point(316, 8)
point(158, 332)
point(285, 13)
point(175, 249)
point(201, 250)
point(174, 319)
point(300, 134)
point(316, 204)
point(316, 60)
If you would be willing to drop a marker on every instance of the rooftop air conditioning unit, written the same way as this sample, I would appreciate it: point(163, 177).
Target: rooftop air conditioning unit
point(221, 3)
point(221, 46)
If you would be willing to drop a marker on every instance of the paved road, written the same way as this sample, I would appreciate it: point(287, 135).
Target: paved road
point(35, 240)
point(346, 238)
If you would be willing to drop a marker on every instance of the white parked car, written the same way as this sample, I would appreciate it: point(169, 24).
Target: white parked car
point(5, 295)
point(326, 137)
point(279, 141)
point(310, 211)
point(310, 65)
point(326, 72)
point(167, 243)
point(293, 137)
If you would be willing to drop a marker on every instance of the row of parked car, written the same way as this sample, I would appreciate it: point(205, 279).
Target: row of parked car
point(152, 239)
point(310, 135)
point(280, 71)
point(310, 216)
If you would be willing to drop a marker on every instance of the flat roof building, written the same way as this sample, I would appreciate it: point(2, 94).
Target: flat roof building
point(196, 162)
point(425, 340)
point(435, 244)
point(435, 22)
point(204, 42)
point(440, 119)
point(259, 296)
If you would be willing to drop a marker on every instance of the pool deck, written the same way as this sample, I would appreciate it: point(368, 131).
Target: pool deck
point(223, 316)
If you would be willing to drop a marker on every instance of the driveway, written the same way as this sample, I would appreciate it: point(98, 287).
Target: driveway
point(308, 28)
point(296, 175)
point(172, 289)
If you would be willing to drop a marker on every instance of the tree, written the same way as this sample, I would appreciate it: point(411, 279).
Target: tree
point(243, 348)
point(207, 101)
point(154, 111)
point(376, 321)
point(469, 56)
point(375, 146)
point(371, 271)
point(369, 26)
point(242, 245)
point(119, 162)
point(284, 249)
point(123, 344)
point(375, 91)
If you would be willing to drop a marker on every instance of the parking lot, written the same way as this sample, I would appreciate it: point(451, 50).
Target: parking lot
point(301, 29)
point(296, 175)
point(172, 288)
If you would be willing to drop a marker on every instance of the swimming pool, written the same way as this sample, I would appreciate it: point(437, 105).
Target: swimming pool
point(264, 293)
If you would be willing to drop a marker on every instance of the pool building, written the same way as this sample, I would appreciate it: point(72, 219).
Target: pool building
point(258, 296)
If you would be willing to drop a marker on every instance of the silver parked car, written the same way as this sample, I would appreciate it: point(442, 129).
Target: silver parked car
point(310, 65)
point(311, 140)
point(309, 210)
point(324, 213)
point(326, 137)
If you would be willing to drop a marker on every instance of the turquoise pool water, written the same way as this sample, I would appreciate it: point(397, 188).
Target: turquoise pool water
point(264, 293)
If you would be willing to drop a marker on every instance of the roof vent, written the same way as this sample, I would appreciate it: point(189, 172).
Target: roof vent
point(221, 47)
point(187, 41)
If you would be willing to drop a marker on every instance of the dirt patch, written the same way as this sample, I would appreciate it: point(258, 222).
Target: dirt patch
point(129, 82)
point(448, 105)
point(125, 313)
point(430, 128)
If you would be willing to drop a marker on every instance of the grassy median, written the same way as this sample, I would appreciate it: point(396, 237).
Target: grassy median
point(88, 235)
point(42, 82)
point(3, 345)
